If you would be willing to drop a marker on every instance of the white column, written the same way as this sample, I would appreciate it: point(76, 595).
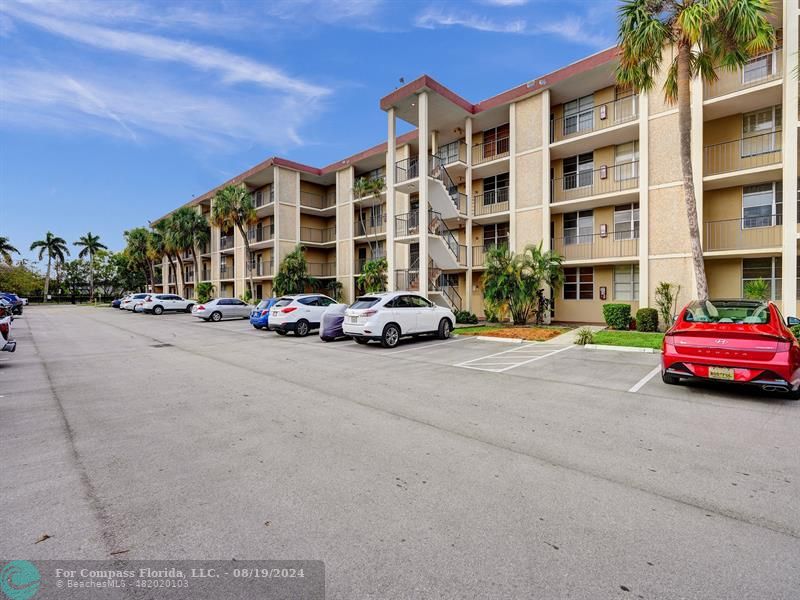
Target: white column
point(391, 158)
point(512, 177)
point(546, 242)
point(424, 135)
point(644, 202)
point(276, 244)
point(297, 209)
point(470, 244)
point(790, 132)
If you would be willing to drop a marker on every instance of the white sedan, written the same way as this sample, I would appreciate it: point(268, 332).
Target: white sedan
point(388, 316)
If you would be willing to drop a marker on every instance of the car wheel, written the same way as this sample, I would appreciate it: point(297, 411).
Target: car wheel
point(216, 316)
point(280, 332)
point(157, 310)
point(444, 329)
point(670, 379)
point(391, 336)
point(189, 308)
point(361, 341)
point(327, 339)
point(301, 328)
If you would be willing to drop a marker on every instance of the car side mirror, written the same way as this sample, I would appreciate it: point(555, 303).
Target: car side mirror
point(792, 321)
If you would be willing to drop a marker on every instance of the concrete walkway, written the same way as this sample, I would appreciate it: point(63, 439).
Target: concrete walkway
point(569, 336)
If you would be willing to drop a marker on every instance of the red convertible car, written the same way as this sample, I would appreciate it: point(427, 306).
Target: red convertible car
point(737, 341)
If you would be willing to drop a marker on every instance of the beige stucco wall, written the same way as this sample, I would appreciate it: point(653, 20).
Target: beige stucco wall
point(591, 311)
point(528, 177)
point(528, 229)
point(673, 270)
point(664, 154)
point(528, 123)
point(668, 226)
point(724, 278)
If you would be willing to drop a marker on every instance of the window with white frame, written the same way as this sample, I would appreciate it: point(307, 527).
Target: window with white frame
point(760, 131)
point(578, 227)
point(495, 234)
point(762, 205)
point(579, 115)
point(759, 68)
point(626, 161)
point(626, 221)
point(626, 282)
point(578, 171)
point(578, 283)
point(768, 269)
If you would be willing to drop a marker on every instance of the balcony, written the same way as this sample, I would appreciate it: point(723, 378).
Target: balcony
point(313, 235)
point(262, 198)
point(327, 269)
point(260, 268)
point(158, 278)
point(360, 262)
point(443, 245)
point(225, 243)
point(258, 235)
point(405, 171)
point(751, 233)
point(406, 224)
point(604, 125)
point(409, 280)
point(317, 201)
point(226, 272)
point(620, 181)
point(743, 161)
point(453, 156)
point(610, 247)
point(188, 276)
point(205, 249)
point(370, 227)
point(479, 252)
point(490, 158)
point(205, 274)
point(490, 202)
point(757, 72)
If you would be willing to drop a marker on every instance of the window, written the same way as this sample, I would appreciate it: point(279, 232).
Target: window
point(626, 161)
point(418, 302)
point(310, 301)
point(376, 215)
point(579, 115)
point(578, 227)
point(578, 171)
point(626, 222)
point(495, 141)
point(759, 68)
point(579, 283)
point(495, 189)
point(760, 131)
point(495, 234)
point(768, 269)
point(762, 205)
point(449, 152)
point(626, 282)
point(324, 301)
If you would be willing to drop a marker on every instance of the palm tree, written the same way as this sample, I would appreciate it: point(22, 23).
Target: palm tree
point(293, 277)
point(363, 187)
point(233, 207)
point(6, 249)
point(704, 34)
point(155, 250)
point(182, 234)
point(373, 277)
point(55, 248)
point(546, 269)
point(137, 248)
point(163, 242)
point(192, 228)
point(89, 244)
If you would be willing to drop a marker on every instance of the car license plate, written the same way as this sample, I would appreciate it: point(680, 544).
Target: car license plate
point(354, 319)
point(274, 313)
point(720, 373)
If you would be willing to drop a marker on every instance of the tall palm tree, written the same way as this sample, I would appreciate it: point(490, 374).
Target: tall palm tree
point(6, 249)
point(89, 244)
point(137, 251)
point(170, 243)
point(190, 231)
point(293, 277)
point(233, 207)
point(55, 248)
point(155, 249)
point(363, 187)
point(704, 34)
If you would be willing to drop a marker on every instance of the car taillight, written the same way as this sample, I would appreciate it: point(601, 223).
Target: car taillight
point(4, 329)
point(201, 307)
point(288, 309)
point(784, 346)
point(264, 313)
point(369, 313)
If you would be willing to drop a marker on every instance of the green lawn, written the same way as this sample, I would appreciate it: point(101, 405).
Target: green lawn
point(637, 339)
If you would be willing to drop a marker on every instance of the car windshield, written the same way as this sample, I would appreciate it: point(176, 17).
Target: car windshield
point(750, 312)
point(263, 304)
point(365, 302)
point(283, 302)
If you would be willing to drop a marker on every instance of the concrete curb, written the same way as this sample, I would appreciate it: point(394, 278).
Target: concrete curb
point(622, 348)
point(491, 338)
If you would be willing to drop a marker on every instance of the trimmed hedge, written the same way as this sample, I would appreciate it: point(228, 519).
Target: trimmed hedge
point(463, 316)
point(617, 316)
point(647, 319)
point(795, 329)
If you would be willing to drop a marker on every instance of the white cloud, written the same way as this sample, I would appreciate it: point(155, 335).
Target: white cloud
point(505, 2)
point(434, 17)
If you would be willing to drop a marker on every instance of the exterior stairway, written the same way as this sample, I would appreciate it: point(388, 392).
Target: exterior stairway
point(443, 194)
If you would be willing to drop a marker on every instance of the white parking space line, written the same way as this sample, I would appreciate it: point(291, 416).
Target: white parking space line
point(418, 348)
point(500, 362)
point(535, 359)
point(639, 384)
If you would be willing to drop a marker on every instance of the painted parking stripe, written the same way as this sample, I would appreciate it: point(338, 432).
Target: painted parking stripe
point(639, 384)
point(480, 358)
point(500, 362)
point(420, 348)
point(535, 359)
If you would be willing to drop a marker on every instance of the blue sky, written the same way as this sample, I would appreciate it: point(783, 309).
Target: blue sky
point(112, 112)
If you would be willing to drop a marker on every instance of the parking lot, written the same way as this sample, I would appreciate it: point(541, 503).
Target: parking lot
point(457, 468)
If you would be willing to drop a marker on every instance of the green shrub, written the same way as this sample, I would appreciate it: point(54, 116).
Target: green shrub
point(205, 291)
point(795, 329)
point(647, 319)
point(464, 316)
point(756, 289)
point(617, 316)
point(584, 336)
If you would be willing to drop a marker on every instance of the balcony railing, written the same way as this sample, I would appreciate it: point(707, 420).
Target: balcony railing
point(226, 272)
point(205, 248)
point(441, 284)
point(491, 150)
point(263, 197)
point(314, 235)
point(452, 153)
point(759, 69)
point(605, 180)
point(226, 242)
point(490, 202)
point(749, 233)
point(406, 224)
point(318, 201)
point(322, 269)
point(406, 169)
point(360, 262)
point(260, 268)
point(597, 246)
point(479, 252)
point(596, 118)
point(188, 276)
point(747, 153)
point(406, 279)
point(261, 234)
point(370, 227)
point(206, 275)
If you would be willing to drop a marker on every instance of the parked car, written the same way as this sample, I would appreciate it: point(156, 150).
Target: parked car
point(299, 313)
point(24, 301)
point(116, 303)
point(7, 343)
point(388, 316)
point(160, 303)
point(222, 308)
point(259, 316)
point(742, 342)
point(16, 302)
point(330, 328)
point(133, 301)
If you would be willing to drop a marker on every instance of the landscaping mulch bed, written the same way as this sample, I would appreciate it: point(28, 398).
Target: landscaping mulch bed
point(531, 334)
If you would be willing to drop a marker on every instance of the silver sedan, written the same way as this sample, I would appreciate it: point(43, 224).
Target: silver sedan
point(222, 308)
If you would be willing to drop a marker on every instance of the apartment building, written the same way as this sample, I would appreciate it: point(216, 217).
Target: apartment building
point(570, 160)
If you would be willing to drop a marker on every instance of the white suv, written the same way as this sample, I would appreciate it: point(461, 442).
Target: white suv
point(388, 316)
point(300, 313)
point(159, 303)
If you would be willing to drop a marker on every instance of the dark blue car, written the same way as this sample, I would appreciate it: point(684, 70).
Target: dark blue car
point(16, 302)
point(259, 317)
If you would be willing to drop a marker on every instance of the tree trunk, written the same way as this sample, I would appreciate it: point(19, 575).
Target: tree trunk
point(196, 279)
point(172, 265)
point(685, 130)
point(91, 277)
point(249, 261)
point(179, 274)
point(151, 269)
point(47, 278)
